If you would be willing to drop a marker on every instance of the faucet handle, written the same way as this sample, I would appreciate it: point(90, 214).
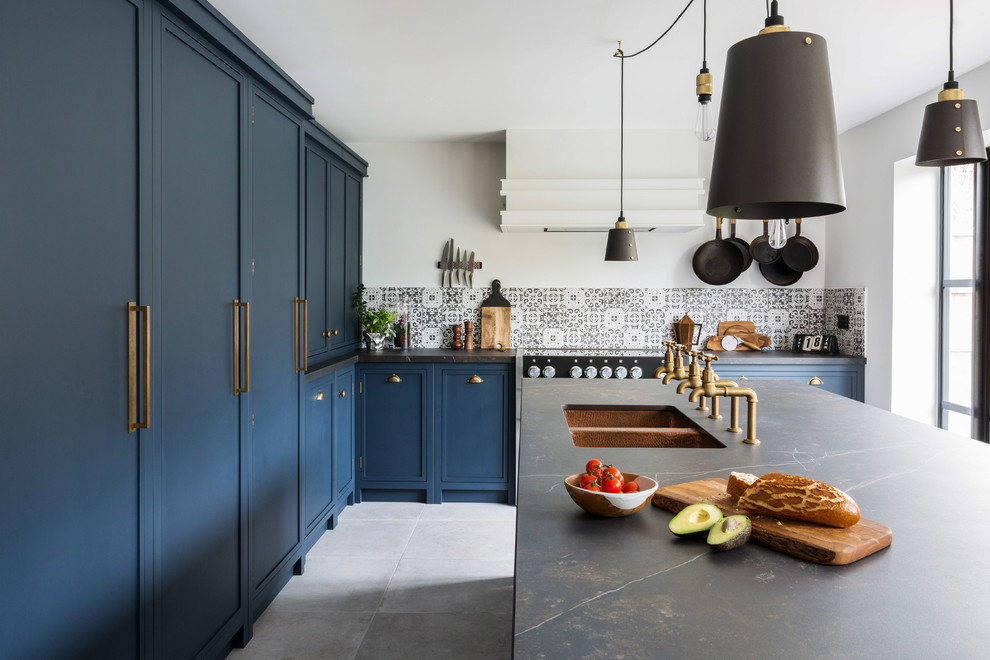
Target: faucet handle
point(709, 359)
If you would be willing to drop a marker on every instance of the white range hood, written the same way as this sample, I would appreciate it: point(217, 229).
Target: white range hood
point(567, 180)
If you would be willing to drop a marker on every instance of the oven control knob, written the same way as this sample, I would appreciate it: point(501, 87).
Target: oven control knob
point(590, 372)
point(575, 371)
point(533, 371)
point(635, 372)
point(620, 372)
point(606, 372)
point(548, 371)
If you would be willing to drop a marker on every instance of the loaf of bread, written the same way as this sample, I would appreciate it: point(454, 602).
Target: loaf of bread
point(790, 496)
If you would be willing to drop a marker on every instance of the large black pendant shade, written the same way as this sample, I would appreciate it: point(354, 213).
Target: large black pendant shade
point(777, 147)
point(951, 133)
point(621, 244)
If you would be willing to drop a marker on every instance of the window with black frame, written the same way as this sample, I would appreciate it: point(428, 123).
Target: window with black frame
point(962, 312)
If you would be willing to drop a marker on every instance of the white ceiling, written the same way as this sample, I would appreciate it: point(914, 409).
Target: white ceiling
point(397, 70)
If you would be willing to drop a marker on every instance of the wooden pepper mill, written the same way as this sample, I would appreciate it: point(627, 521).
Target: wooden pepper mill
point(469, 335)
point(457, 345)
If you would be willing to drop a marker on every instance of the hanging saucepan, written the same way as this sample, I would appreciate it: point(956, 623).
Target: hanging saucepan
point(800, 253)
point(743, 245)
point(760, 248)
point(779, 273)
point(717, 261)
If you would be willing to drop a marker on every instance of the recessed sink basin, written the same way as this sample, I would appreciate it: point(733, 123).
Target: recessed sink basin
point(635, 426)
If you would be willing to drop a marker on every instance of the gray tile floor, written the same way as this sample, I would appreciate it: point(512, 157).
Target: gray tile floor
point(397, 580)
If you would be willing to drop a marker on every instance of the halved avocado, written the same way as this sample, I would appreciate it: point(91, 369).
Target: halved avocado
point(695, 518)
point(730, 533)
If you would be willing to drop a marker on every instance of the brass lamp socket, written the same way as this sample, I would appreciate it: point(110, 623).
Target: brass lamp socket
point(951, 94)
point(621, 224)
point(704, 86)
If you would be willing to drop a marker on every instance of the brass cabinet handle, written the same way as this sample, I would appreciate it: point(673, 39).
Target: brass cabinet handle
point(319, 395)
point(393, 379)
point(330, 333)
point(816, 381)
point(133, 309)
point(238, 305)
point(475, 379)
point(342, 393)
point(305, 332)
point(743, 378)
point(335, 332)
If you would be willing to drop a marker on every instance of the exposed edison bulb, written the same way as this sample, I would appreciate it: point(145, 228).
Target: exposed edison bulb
point(778, 234)
point(704, 124)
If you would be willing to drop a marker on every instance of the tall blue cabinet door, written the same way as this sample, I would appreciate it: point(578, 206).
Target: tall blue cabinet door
point(317, 247)
point(343, 434)
point(473, 455)
point(317, 449)
point(352, 256)
point(340, 295)
point(199, 483)
point(69, 487)
point(396, 426)
point(275, 145)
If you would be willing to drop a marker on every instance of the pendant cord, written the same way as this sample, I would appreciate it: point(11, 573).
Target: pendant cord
point(704, 36)
point(952, 73)
point(622, 127)
point(620, 53)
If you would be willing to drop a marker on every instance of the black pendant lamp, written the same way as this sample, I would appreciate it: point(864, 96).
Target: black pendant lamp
point(951, 133)
point(621, 244)
point(777, 147)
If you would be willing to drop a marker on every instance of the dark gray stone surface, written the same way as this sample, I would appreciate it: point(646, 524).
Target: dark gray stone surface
point(774, 357)
point(592, 587)
point(443, 355)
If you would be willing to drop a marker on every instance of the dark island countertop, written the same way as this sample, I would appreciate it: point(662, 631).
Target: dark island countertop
point(774, 357)
point(628, 588)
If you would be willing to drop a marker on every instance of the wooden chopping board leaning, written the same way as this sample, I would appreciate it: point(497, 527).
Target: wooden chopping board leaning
point(496, 319)
point(742, 337)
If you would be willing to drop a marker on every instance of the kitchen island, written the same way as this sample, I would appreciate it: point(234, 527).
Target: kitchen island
point(628, 588)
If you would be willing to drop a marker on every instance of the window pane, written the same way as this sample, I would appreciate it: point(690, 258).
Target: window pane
point(962, 212)
point(957, 423)
point(959, 329)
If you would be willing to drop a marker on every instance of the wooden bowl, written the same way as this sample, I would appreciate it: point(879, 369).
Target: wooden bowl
point(612, 504)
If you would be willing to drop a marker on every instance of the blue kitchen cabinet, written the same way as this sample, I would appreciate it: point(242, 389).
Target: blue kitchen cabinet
point(73, 568)
point(395, 449)
point(843, 379)
point(318, 445)
point(474, 432)
point(351, 255)
point(275, 532)
point(319, 330)
point(434, 433)
point(343, 439)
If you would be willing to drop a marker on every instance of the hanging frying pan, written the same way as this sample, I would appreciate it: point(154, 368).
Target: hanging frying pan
point(760, 248)
point(779, 273)
point(717, 261)
point(800, 253)
point(743, 245)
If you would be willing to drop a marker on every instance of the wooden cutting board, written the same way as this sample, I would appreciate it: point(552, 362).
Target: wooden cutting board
point(808, 541)
point(714, 343)
point(496, 327)
point(736, 327)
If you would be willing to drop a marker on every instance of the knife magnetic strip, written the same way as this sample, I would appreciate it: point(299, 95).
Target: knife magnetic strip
point(477, 265)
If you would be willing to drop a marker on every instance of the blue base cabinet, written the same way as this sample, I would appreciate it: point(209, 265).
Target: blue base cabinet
point(434, 433)
point(844, 379)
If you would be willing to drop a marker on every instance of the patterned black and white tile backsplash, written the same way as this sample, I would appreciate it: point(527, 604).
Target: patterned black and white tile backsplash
point(629, 318)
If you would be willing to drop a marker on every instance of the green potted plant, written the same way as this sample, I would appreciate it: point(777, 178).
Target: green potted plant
point(377, 324)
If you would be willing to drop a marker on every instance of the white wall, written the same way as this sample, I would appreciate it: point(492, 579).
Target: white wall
point(418, 195)
point(862, 240)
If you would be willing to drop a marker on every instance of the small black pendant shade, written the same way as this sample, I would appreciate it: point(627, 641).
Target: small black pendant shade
point(621, 244)
point(951, 133)
point(777, 147)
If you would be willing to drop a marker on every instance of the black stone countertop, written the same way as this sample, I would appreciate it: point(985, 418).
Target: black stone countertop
point(724, 357)
point(446, 355)
point(628, 588)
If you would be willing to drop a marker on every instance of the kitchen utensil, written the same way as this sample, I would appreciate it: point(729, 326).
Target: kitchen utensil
point(808, 541)
point(457, 266)
point(444, 258)
point(761, 250)
point(612, 505)
point(759, 341)
point(799, 253)
point(732, 342)
point(779, 273)
point(471, 270)
point(717, 261)
point(736, 327)
point(496, 319)
point(743, 245)
point(687, 332)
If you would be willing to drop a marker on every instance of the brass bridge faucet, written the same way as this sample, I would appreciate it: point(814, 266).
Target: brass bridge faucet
point(712, 377)
point(693, 380)
point(677, 371)
point(668, 361)
point(711, 388)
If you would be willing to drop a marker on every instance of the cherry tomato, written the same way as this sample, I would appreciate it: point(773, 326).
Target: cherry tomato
point(594, 466)
point(631, 487)
point(612, 483)
point(588, 480)
point(594, 487)
point(611, 469)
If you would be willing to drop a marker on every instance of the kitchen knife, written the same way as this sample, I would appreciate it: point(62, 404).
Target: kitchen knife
point(457, 267)
point(470, 266)
point(450, 260)
point(443, 262)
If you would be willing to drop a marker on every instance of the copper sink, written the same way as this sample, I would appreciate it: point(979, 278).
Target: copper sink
point(635, 426)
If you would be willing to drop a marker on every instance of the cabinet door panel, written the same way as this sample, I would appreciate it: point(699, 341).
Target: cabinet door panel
point(343, 433)
point(843, 380)
point(198, 435)
point(274, 380)
point(317, 246)
point(317, 454)
point(397, 424)
point(69, 554)
point(474, 424)
point(352, 258)
point(340, 295)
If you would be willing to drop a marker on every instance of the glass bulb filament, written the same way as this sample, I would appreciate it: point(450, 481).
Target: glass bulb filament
point(704, 124)
point(778, 233)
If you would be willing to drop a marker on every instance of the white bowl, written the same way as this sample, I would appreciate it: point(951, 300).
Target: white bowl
point(611, 504)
